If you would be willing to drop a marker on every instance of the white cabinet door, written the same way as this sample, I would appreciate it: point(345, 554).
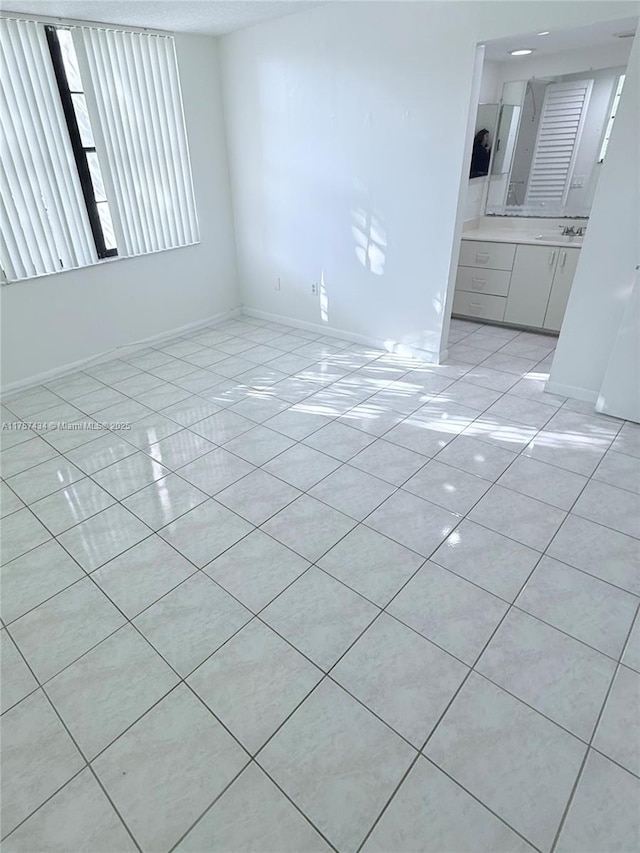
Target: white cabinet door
point(565, 271)
point(530, 286)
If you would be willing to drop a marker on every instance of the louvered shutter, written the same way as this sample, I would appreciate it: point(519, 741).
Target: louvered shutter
point(563, 114)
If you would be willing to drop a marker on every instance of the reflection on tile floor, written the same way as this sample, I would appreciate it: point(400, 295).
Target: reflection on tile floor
point(319, 597)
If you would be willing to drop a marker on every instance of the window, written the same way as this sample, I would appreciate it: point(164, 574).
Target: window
point(95, 161)
point(43, 218)
point(614, 109)
point(74, 104)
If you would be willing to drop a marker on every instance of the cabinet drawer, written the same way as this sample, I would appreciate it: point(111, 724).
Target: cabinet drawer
point(479, 305)
point(474, 280)
point(494, 256)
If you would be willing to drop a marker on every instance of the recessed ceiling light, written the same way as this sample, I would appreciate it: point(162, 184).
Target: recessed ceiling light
point(544, 33)
point(523, 51)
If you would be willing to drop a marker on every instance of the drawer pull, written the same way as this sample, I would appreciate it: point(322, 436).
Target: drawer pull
point(482, 257)
point(552, 258)
point(478, 283)
point(475, 308)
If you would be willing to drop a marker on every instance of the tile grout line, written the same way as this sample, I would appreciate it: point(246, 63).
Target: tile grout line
point(460, 687)
point(304, 492)
point(430, 459)
point(588, 750)
point(249, 429)
point(343, 462)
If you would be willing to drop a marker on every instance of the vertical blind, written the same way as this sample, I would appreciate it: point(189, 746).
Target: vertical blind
point(135, 108)
point(137, 95)
point(563, 114)
point(44, 223)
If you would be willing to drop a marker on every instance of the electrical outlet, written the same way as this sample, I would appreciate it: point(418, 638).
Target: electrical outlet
point(278, 284)
point(314, 288)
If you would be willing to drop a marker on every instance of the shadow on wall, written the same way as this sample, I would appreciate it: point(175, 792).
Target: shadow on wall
point(322, 220)
point(370, 239)
point(370, 247)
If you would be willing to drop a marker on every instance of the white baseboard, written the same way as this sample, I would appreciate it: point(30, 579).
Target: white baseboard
point(315, 327)
point(573, 391)
point(352, 337)
point(125, 349)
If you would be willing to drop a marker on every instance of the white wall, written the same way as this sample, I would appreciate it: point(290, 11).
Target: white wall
point(490, 88)
point(351, 118)
point(59, 319)
point(620, 392)
point(608, 260)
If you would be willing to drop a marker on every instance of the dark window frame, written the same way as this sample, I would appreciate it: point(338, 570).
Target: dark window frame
point(79, 150)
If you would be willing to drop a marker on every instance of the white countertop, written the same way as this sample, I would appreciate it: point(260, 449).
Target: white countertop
point(535, 238)
point(535, 231)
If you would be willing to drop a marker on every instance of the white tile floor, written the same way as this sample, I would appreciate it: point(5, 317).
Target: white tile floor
point(319, 597)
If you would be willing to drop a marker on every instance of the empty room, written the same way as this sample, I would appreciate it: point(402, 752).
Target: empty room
point(320, 444)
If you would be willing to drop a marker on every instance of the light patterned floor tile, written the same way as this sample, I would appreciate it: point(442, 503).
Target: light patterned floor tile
point(488, 559)
point(446, 609)
point(431, 812)
point(514, 760)
point(319, 616)
point(143, 574)
point(583, 606)
point(181, 753)
point(604, 811)
point(119, 680)
point(202, 616)
point(205, 532)
point(256, 569)
point(401, 677)
point(66, 626)
point(555, 674)
point(443, 521)
point(429, 526)
point(371, 564)
point(253, 815)
point(254, 682)
point(38, 757)
point(309, 527)
point(334, 744)
point(79, 816)
point(618, 732)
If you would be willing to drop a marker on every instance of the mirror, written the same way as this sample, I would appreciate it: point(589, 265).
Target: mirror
point(483, 139)
point(551, 137)
point(506, 139)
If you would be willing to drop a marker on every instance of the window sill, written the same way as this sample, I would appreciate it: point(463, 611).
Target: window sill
point(97, 263)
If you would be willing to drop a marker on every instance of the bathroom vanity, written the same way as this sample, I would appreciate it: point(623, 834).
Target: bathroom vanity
point(517, 271)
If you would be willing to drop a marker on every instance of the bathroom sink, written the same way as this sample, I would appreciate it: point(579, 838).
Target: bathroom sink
point(559, 238)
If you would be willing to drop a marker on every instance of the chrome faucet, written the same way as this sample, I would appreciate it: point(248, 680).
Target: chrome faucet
point(571, 231)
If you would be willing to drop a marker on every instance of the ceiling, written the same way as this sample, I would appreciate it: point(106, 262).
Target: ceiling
point(556, 42)
point(218, 17)
point(209, 17)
